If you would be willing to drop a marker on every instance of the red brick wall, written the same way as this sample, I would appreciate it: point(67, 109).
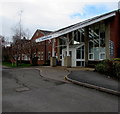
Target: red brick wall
point(45, 47)
point(37, 34)
point(115, 33)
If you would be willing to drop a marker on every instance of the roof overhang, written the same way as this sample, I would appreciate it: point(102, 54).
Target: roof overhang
point(75, 27)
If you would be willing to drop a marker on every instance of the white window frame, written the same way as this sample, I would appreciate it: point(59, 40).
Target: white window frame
point(42, 57)
point(89, 56)
point(100, 55)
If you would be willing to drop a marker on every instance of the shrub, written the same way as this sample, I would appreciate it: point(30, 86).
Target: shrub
point(100, 68)
point(109, 67)
point(117, 69)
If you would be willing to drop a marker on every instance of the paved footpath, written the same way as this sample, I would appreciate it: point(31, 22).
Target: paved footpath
point(56, 73)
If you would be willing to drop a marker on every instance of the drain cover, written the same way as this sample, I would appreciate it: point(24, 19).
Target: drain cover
point(22, 89)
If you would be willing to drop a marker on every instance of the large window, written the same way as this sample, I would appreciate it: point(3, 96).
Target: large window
point(97, 42)
point(80, 53)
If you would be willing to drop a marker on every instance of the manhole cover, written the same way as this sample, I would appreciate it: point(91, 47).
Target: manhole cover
point(22, 89)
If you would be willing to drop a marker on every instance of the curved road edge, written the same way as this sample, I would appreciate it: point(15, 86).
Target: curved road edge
point(92, 86)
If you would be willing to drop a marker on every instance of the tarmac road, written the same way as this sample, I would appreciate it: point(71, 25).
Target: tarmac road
point(24, 90)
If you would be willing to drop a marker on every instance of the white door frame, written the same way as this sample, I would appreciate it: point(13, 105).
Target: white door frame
point(81, 60)
point(73, 58)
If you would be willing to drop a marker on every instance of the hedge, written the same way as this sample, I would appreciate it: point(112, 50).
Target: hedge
point(109, 67)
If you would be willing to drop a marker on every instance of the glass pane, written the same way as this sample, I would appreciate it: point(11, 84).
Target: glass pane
point(78, 54)
point(82, 54)
point(82, 63)
point(102, 56)
point(96, 53)
point(90, 56)
point(78, 63)
point(102, 39)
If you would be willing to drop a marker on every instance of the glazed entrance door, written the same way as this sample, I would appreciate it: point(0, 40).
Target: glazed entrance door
point(80, 56)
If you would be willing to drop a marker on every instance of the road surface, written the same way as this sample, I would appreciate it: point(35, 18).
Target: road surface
point(24, 90)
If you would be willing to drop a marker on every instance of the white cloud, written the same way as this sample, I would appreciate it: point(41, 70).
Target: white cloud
point(45, 14)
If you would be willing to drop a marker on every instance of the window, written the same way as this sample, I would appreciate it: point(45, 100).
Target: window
point(78, 36)
point(28, 57)
point(102, 39)
point(38, 55)
point(80, 63)
point(102, 56)
point(96, 41)
point(34, 54)
point(41, 55)
point(49, 54)
point(91, 56)
point(80, 53)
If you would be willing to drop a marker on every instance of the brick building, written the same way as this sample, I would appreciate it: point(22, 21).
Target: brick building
point(42, 50)
point(80, 44)
point(87, 42)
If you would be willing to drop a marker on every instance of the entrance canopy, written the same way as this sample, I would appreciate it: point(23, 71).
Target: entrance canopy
point(74, 27)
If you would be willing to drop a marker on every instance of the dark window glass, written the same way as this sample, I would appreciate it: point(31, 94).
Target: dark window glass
point(102, 39)
point(78, 54)
point(82, 63)
point(78, 63)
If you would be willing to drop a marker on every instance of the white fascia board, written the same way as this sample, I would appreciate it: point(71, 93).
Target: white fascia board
point(65, 31)
point(86, 24)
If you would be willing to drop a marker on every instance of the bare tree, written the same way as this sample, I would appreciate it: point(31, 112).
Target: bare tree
point(19, 37)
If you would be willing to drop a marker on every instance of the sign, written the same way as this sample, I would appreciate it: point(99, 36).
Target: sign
point(111, 47)
point(48, 37)
point(43, 38)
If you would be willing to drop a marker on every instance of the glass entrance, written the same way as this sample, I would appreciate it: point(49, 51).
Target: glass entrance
point(80, 56)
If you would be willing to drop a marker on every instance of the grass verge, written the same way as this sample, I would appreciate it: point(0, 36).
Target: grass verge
point(8, 64)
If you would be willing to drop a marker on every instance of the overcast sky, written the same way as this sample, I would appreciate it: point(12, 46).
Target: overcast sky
point(49, 14)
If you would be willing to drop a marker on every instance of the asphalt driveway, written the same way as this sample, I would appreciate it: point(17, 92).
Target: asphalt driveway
point(25, 90)
point(95, 78)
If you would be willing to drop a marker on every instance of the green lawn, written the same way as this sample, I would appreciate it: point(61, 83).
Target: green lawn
point(8, 64)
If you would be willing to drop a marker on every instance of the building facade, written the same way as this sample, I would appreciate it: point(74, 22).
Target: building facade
point(89, 41)
point(78, 45)
point(42, 50)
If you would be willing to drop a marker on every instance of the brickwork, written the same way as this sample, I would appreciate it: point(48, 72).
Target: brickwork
point(115, 34)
